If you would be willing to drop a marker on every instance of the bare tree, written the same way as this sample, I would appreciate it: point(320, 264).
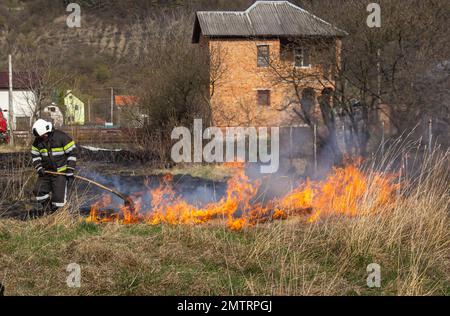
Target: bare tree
point(175, 82)
point(398, 70)
point(303, 69)
point(42, 74)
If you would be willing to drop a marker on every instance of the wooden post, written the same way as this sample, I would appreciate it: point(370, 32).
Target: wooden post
point(290, 143)
point(430, 134)
point(112, 106)
point(344, 137)
point(315, 148)
point(291, 158)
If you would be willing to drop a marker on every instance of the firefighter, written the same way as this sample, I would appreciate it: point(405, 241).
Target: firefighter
point(52, 150)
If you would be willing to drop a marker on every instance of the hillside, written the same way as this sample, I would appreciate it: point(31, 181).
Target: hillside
point(115, 29)
point(119, 44)
point(144, 48)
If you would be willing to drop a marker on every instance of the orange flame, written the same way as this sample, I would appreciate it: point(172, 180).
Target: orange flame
point(346, 191)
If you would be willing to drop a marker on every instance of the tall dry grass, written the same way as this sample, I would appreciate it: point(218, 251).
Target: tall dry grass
point(409, 239)
point(16, 177)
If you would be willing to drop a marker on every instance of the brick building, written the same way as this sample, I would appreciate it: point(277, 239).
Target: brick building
point(251, 50)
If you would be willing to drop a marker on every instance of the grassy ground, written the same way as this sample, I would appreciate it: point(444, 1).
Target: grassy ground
point(210, 172)
point(12, 149)
point(282, 258)
point(410, 240)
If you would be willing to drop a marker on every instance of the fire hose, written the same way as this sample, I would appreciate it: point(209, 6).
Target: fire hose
point(127, 200)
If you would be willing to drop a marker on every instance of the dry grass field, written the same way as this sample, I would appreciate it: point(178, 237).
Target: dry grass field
point(410, 240)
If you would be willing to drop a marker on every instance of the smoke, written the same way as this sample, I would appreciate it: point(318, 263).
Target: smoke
point(196, 191)
point(296, 165)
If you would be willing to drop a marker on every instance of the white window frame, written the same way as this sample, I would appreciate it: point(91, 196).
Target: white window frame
point(295, 58)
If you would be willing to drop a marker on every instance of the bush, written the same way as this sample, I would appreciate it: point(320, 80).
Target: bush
point(102, 73)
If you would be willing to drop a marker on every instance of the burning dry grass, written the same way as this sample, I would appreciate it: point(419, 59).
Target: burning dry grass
point(409, 239)
point(348, 190)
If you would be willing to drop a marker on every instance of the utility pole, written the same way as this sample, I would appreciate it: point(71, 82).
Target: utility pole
point(10, 102)
point(89, 110)
point(112, 106)
point(290, 143)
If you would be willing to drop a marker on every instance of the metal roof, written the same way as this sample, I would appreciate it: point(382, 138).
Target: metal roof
point(263, 18)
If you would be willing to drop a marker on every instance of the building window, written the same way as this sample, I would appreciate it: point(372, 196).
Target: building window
point(301, 57)
point(264, 97)
point(263, 55)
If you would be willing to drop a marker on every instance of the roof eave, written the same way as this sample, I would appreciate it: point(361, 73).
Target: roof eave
point(273, 35)
point(196, 33)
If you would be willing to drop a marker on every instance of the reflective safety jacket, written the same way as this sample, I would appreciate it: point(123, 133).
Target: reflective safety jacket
point(58, 153)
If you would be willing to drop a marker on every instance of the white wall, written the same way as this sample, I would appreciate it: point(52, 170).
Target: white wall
point(23, 102)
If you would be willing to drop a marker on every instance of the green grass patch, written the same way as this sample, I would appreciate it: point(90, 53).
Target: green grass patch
point(282, 259)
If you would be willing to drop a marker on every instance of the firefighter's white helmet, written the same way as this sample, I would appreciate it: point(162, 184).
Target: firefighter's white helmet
point(41, 127)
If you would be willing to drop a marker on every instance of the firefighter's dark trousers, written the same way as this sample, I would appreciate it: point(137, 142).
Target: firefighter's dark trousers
point(54, 185)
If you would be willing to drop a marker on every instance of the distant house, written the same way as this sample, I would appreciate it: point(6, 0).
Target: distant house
point(130, 111)
point(53, 114)
point(74, 114)
point(247, 43)
point(24, 99)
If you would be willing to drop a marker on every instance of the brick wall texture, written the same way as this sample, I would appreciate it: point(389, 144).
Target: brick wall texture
point(237, 77)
